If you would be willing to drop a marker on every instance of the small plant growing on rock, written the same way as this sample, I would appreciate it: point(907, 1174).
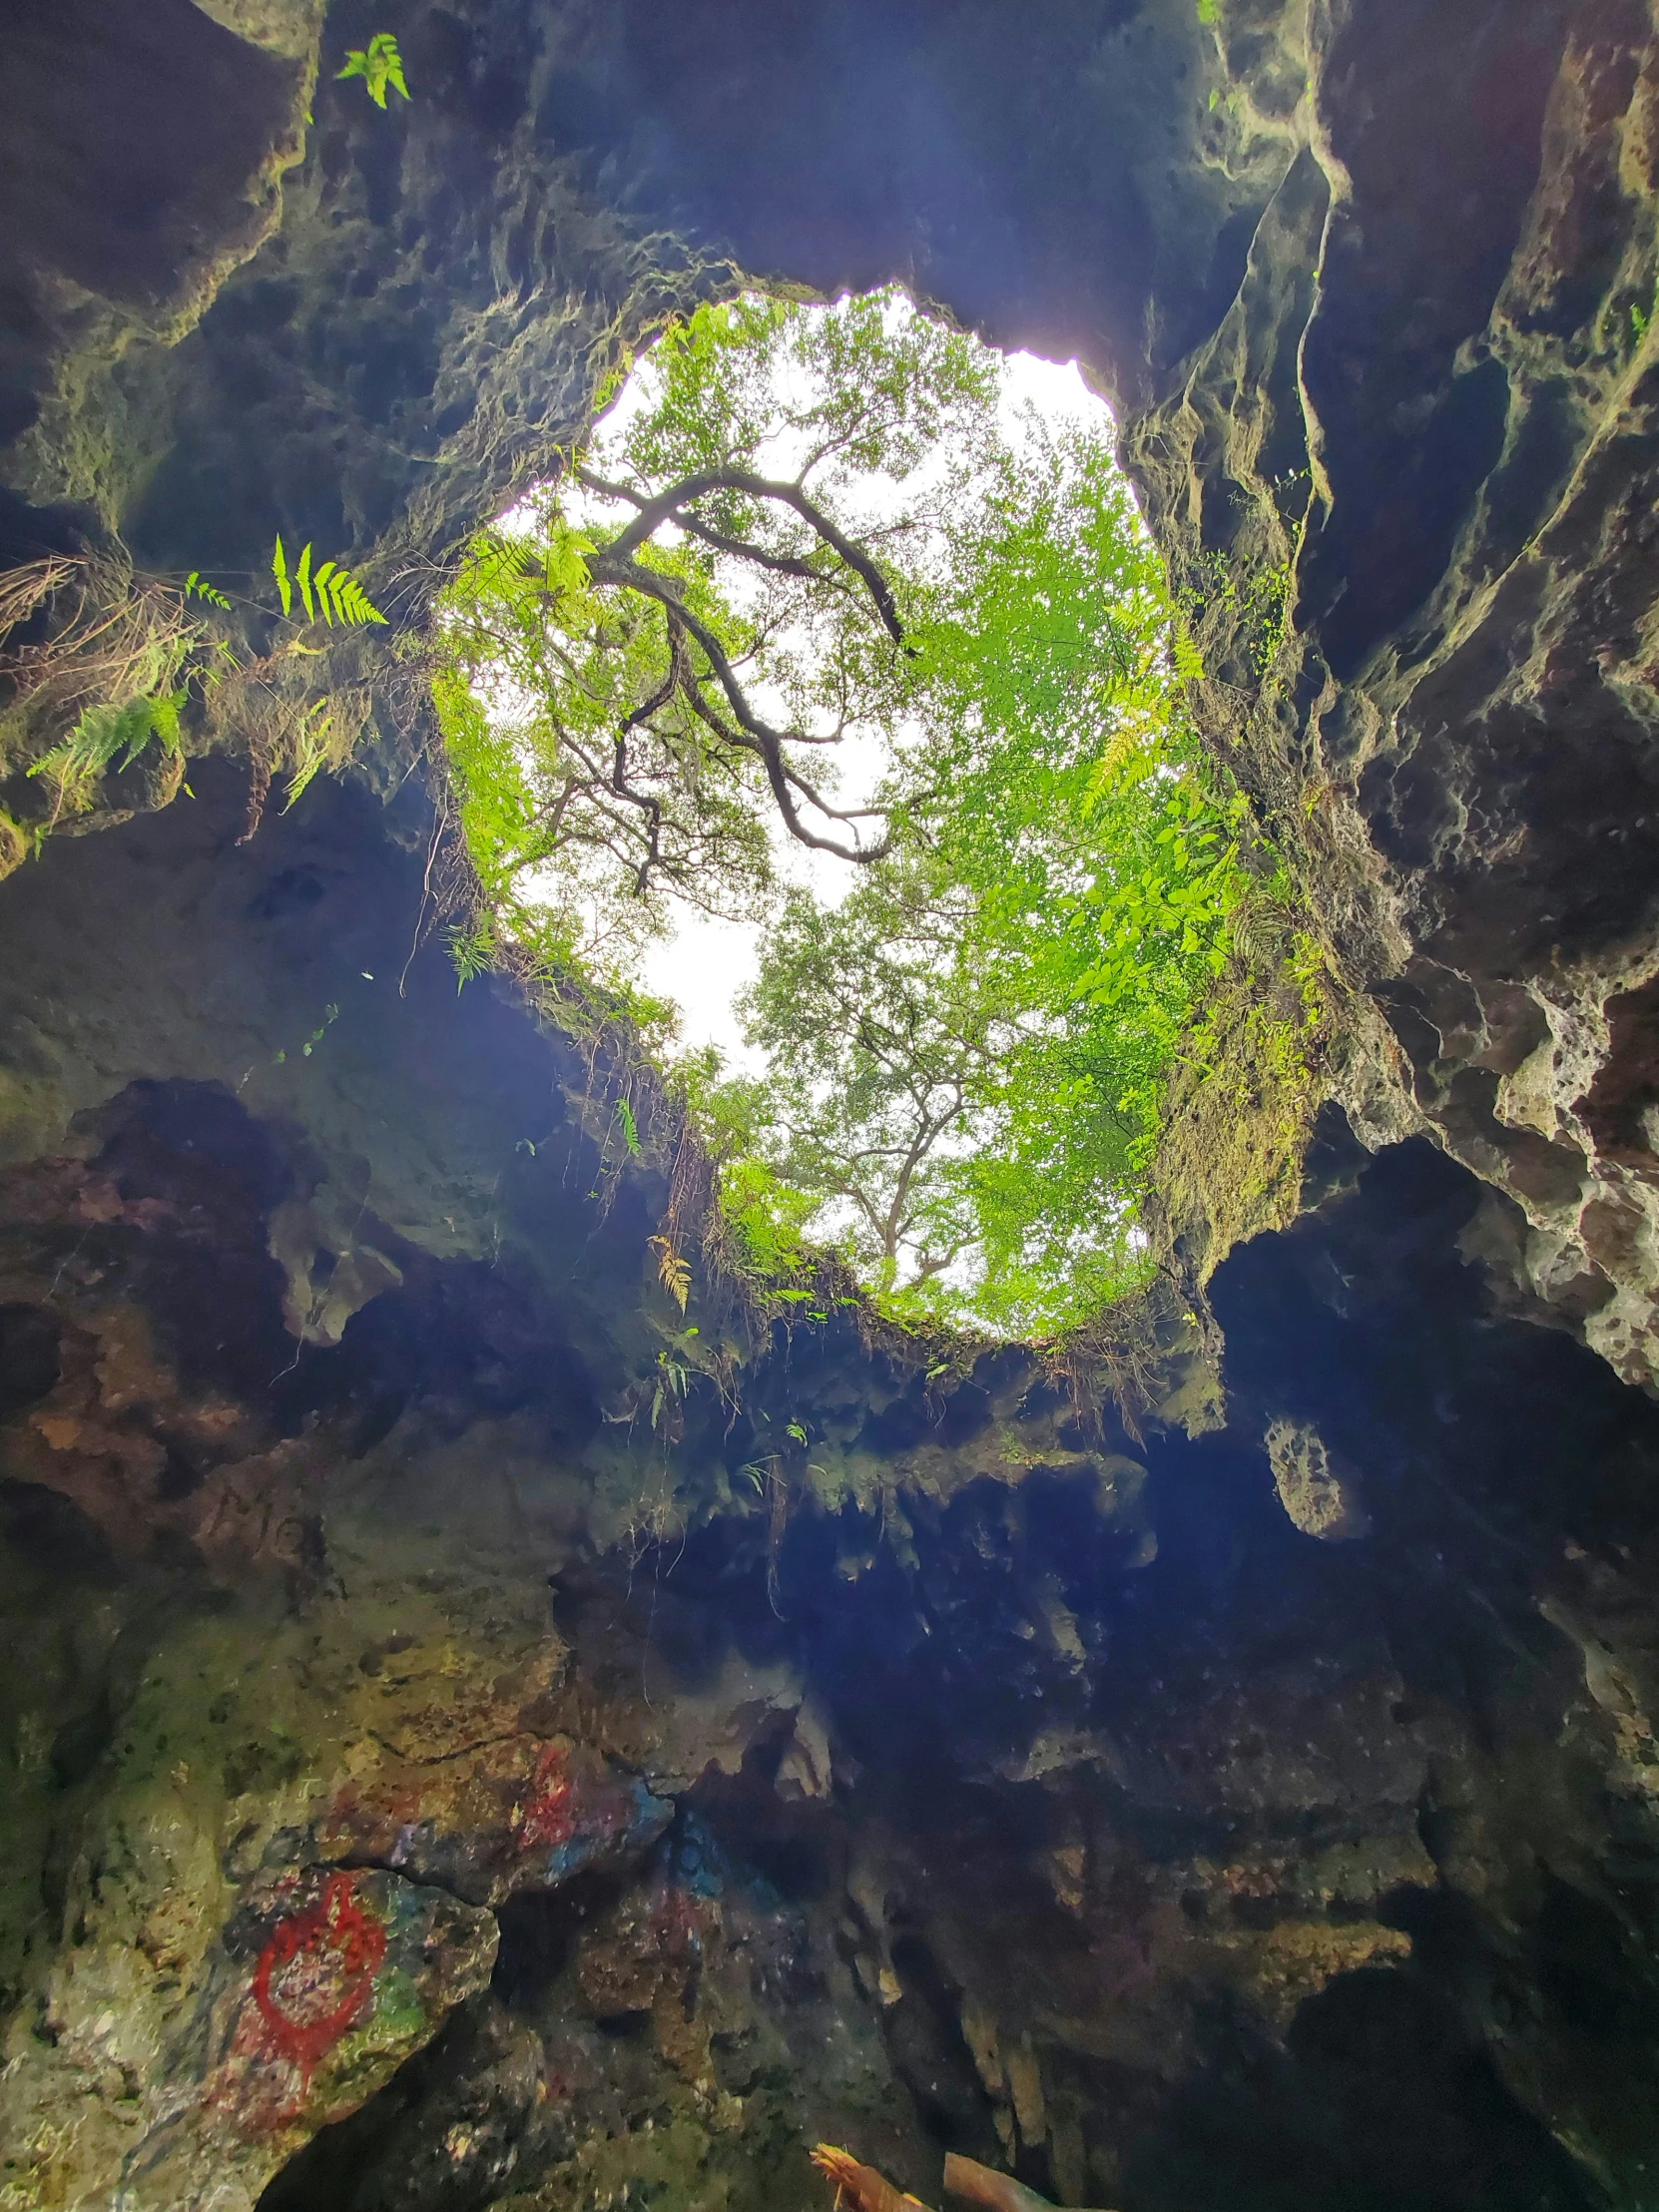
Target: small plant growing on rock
point(673, 1270)
point(332, 595)
point(473, 950)
point(196, 587)
point(121, 660)
point(379, 65)
point(107, 737)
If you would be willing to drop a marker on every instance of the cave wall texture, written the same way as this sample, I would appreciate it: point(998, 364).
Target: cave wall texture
point(442, 1777)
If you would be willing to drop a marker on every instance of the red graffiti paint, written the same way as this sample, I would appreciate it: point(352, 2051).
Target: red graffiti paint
point(316, 1973)
point(549, 1817)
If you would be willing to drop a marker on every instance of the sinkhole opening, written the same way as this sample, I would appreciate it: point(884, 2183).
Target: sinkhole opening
point(827, 718)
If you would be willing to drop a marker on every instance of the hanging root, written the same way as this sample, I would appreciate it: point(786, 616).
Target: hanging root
point(109, 638)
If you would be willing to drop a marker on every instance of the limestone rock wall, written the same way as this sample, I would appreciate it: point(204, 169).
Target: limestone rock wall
point(1407, 486)
point(438, 1783)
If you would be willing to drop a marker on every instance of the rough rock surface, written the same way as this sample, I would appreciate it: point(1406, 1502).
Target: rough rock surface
point(1408, 485)
point(987, 1775)
point(1322, 1495)
point(999, 1779)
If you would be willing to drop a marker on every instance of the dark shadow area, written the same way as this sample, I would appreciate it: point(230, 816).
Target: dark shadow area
point(1378, 2101)
point(116, 193)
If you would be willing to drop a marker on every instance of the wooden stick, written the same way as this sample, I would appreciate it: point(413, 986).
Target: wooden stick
point(997, 2192)
point(868, 2190)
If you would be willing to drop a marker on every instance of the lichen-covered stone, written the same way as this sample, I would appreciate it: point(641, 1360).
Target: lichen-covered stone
point(1321, 1494)
point(177, 2073)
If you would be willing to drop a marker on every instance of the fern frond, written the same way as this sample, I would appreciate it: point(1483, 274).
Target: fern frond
point(93, 744)
point(107, 737)
point(473, 950)
point(352, 604)
point(311, 751)
point(164, 725)
point(673, 1270)
point(331, 594)
point(197, 588)
point(379, 65)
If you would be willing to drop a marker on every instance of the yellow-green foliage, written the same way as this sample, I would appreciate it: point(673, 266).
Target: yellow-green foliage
point(1242, 1098)
point(379, 65)
point(118, 668)
point(332, 595)
point(976, 1053)
point(107, 738)
point(765, 1220)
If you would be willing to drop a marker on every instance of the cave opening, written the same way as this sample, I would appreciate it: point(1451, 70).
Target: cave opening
point(836, 683)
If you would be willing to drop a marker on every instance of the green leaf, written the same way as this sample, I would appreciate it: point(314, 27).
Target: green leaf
point(332, 595)
point(320, 583)
point(474, 951)
point(311, 751)
point(379, 65)
point(107, 738)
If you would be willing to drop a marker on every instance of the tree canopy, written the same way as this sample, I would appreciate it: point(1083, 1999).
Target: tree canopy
point(672, 641)
point(823, 528)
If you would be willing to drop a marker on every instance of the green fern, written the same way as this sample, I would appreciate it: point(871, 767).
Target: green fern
point(332, 595)
point(197, 588)
point(379, 65)
point(107, 737)
point(474, 951)
point(673, 1382)
point(629, 1128)
point(311, 751)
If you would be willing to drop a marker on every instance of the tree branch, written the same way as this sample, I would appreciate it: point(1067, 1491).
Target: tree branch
point(781, 564)
point(758, 736)
point(664, 507)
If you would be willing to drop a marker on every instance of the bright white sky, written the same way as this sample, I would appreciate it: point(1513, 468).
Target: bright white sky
point(707, 963)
